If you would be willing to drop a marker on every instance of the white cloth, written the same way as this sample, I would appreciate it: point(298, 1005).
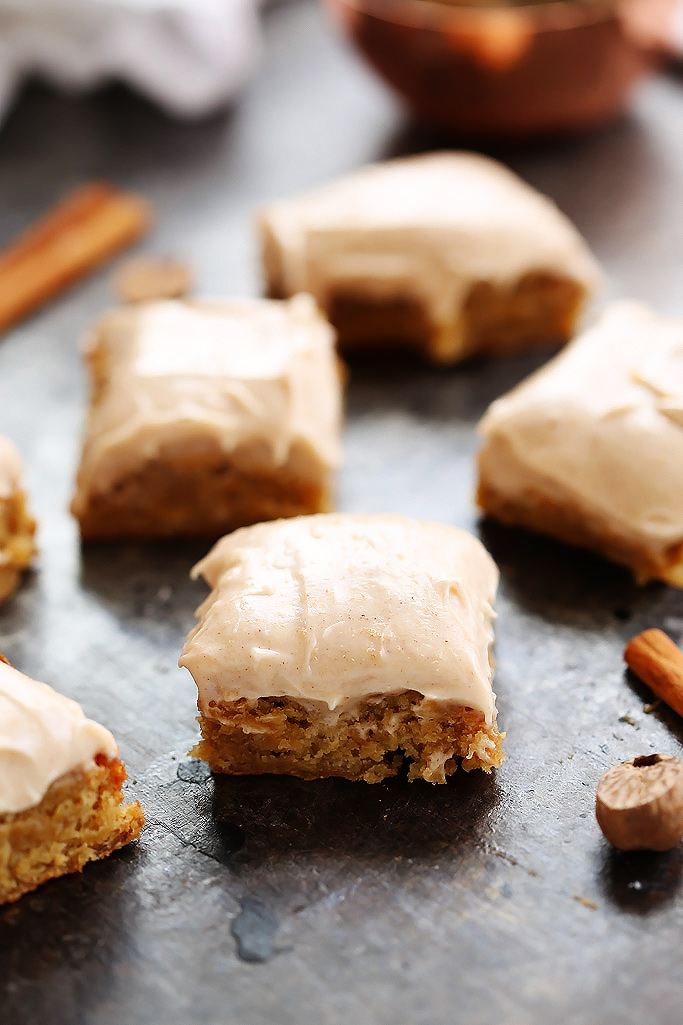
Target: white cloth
point(189, 56)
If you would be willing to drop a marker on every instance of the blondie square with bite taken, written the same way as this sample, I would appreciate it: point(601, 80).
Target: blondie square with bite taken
point(449, 254)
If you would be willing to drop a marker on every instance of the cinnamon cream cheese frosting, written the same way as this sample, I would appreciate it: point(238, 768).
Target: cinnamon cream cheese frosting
point(601, 428)
point(253, 376)
point(43, 735)
point(336, 608)
point(429, 226)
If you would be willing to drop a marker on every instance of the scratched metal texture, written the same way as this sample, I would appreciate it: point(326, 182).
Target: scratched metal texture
point(270, 901)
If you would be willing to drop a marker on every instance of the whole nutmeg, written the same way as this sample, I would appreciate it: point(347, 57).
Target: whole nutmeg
point(639, 804)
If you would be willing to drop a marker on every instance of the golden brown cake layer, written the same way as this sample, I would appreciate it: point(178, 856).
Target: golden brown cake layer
point(17, 548)
point(369, 742)
point(539, 309)
point(153, 501)
point(81, 818)
point(573, 525)
point(60, 787)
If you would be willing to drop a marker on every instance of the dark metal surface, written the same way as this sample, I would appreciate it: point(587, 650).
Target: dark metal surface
point(272, 900)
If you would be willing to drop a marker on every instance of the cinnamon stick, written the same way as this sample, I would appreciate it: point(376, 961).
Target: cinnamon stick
point(85, 228)
point(659, 663)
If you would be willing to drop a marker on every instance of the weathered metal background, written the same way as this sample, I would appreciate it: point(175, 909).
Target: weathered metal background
point(272, 900)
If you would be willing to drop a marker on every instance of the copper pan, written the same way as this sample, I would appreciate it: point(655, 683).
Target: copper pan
point(509, 71)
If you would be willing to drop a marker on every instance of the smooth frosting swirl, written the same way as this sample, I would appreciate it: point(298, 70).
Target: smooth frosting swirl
point(336, 608)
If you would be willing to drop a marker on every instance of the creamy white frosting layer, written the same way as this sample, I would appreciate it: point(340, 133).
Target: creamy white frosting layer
point(429, 226)
point(336, 608)
point(601, 427)
point(43, 735)
point(11, 469)
point(256, 376)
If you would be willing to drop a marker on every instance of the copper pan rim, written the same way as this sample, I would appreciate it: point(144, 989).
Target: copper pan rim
point(439, 16)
